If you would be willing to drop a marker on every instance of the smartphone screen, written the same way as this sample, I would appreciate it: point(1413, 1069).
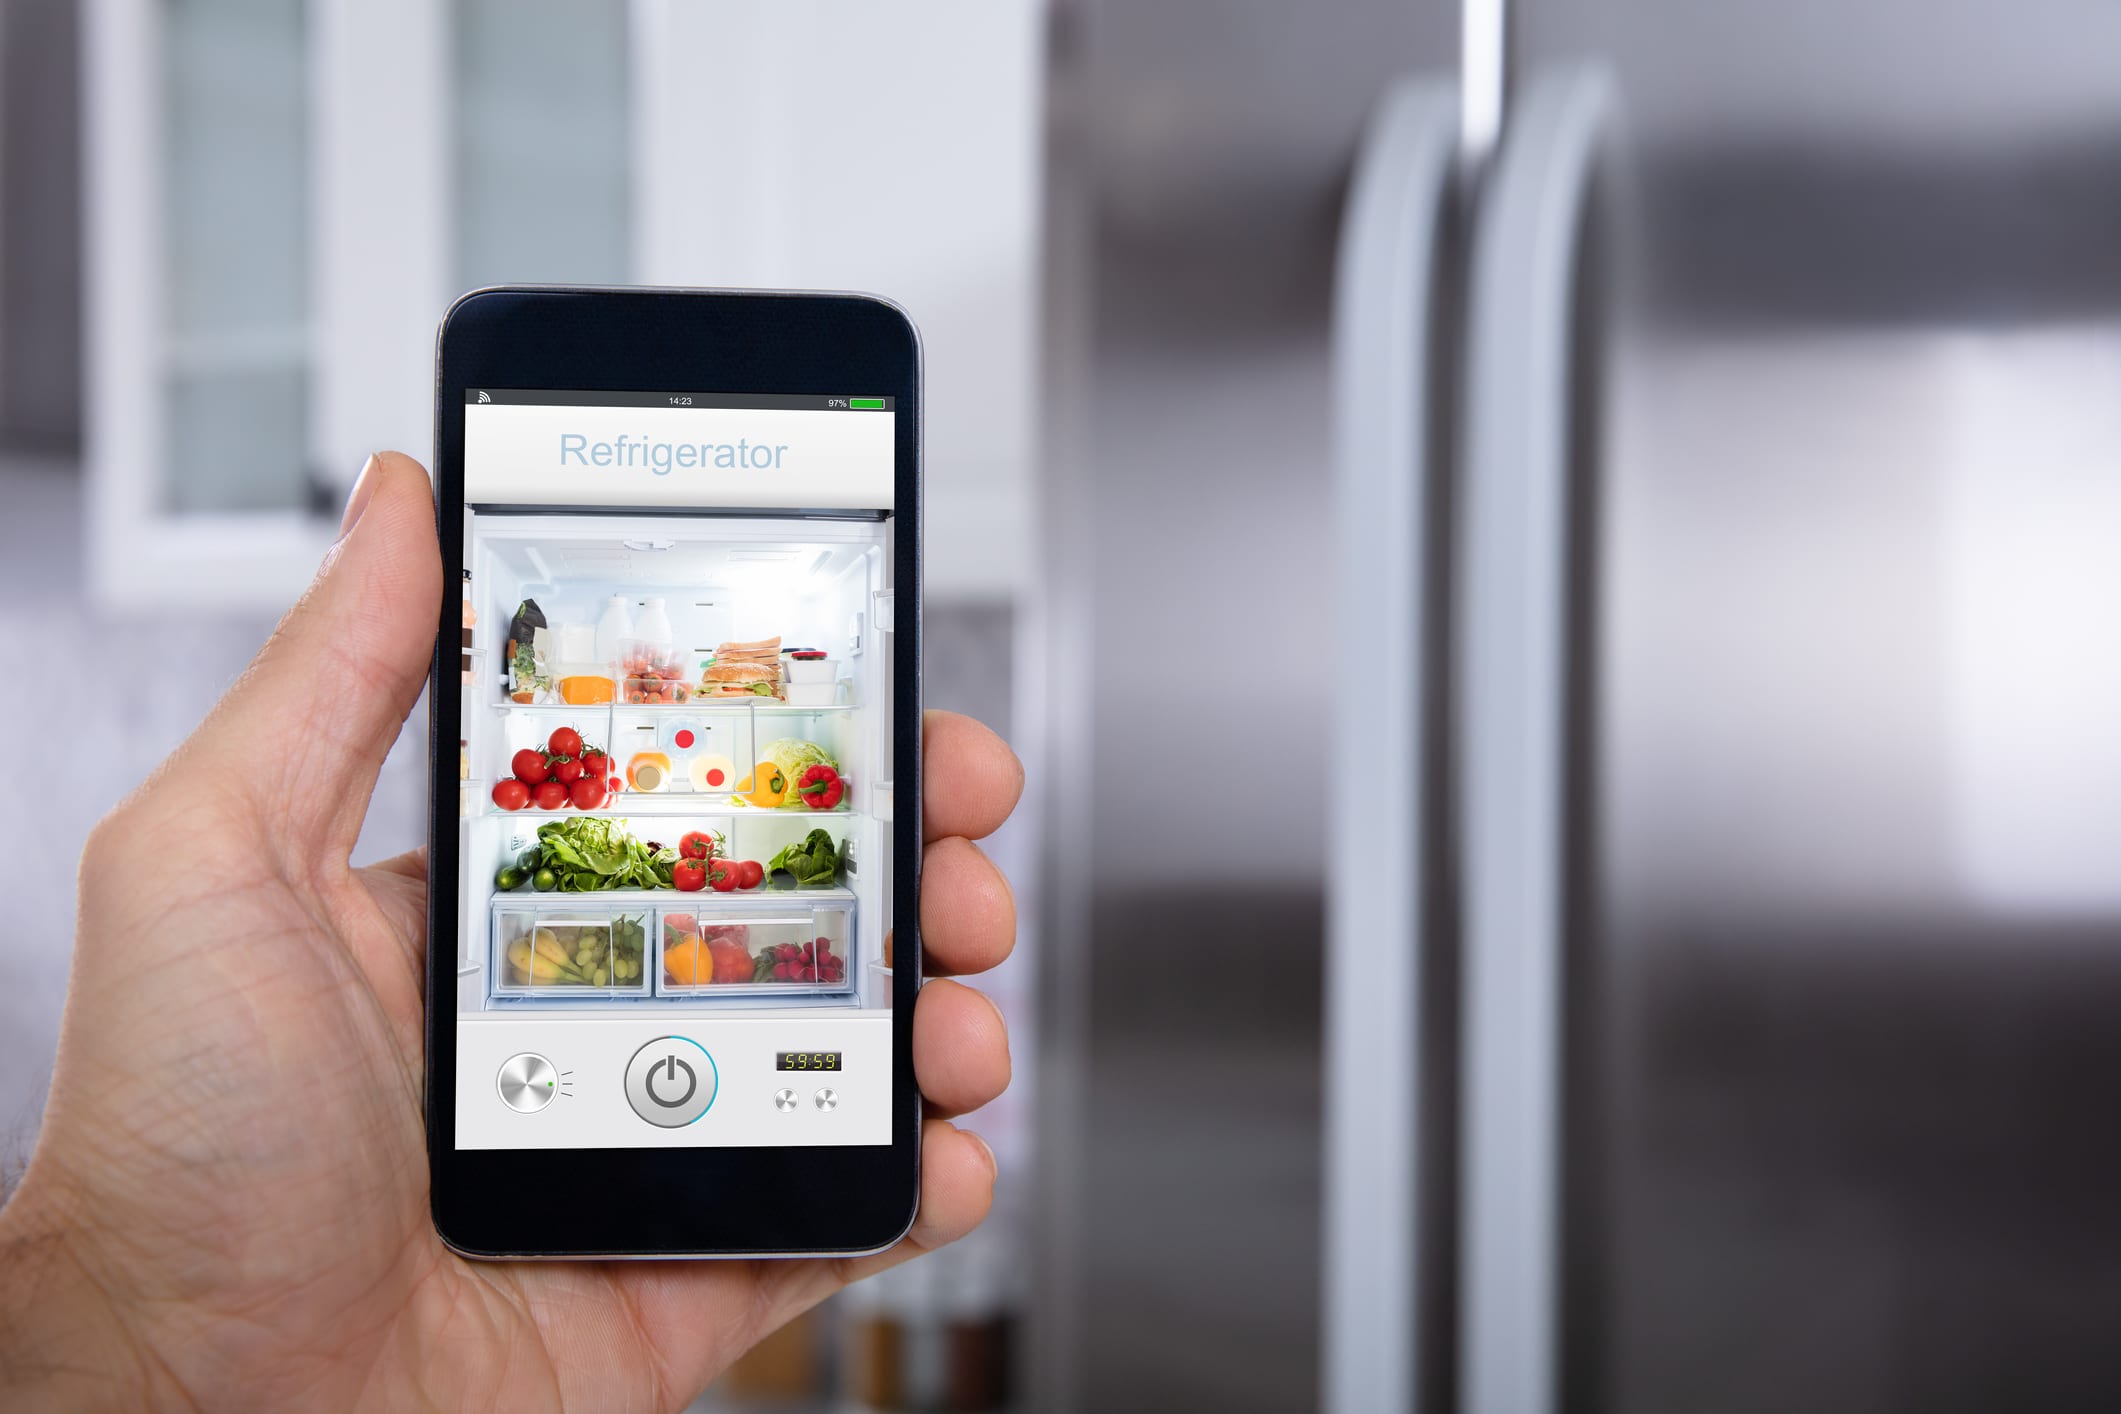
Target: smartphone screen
point(675, 856)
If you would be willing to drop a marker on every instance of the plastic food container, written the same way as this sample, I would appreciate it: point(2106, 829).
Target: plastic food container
point(813, 694)
point(804, 668)
point(752, 949)
point(653, 676)
point(648, 771)
point(580, 950)
point(584, 686)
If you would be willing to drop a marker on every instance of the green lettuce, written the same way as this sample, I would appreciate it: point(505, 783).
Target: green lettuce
point(812, 863)
point(590, 853)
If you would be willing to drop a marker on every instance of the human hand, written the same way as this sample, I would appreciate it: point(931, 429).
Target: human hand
point(228, 1202)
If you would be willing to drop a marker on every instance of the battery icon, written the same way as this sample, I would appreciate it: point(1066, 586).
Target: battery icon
point(873, 404)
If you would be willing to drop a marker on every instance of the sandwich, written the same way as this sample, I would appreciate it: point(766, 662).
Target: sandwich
point(720, 679)
point(750, 669)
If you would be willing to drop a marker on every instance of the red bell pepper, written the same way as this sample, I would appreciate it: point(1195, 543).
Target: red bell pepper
point(820, 787)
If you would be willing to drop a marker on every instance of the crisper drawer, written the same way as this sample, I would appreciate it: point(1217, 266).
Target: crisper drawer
point(755, 948)
point(555, 950)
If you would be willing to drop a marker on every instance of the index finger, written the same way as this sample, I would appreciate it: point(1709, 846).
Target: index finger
point(970, 778)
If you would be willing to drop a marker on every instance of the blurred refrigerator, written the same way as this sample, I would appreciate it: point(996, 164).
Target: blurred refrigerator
point(1707, 778)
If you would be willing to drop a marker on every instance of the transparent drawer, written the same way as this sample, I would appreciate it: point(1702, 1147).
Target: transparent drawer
point(754, 950)
point(574, 949)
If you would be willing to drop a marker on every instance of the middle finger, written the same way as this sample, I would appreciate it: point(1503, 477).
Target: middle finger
point(968, 913)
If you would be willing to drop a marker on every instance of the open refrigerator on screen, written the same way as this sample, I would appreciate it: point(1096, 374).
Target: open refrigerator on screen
point(728, 682)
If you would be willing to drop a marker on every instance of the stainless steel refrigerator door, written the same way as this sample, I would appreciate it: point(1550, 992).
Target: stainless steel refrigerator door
point(1199, 170)
point(1839, 1044)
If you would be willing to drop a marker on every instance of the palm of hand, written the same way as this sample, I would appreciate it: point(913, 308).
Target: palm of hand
point(234, 1137)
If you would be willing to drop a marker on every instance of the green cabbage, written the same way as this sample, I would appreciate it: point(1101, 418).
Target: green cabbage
point(792, 755)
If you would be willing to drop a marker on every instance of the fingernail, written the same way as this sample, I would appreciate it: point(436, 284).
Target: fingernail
point(994, 1170)
point(364, 489)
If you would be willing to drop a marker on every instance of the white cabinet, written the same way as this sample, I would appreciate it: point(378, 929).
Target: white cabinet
point(283, 195)
point(893, 149)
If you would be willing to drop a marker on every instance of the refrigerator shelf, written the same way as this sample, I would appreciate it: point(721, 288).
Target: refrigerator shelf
point(706, 805)
point(697, 704)
point(706, 899)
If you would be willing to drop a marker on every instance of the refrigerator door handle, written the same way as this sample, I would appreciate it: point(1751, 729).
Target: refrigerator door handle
point(1512, 642)
point(1378, 879)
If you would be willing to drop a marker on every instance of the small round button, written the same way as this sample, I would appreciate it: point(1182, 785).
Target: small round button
point(527, 1082)
point(670, 1082)
point(786, 1100)
point(828, 1099)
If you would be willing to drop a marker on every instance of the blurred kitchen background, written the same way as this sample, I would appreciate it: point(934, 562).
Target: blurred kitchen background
point(1800, 1099)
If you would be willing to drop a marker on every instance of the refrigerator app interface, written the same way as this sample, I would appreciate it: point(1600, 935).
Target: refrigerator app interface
point(674, 838)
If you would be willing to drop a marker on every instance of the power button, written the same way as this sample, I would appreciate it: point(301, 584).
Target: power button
point(670, 1082)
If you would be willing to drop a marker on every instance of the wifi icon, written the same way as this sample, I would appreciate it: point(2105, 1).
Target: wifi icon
point(484, 397)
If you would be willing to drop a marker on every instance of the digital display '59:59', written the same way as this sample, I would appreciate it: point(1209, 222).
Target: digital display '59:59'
point(806, 1060)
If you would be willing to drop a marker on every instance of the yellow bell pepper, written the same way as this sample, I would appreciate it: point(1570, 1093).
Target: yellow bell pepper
point(772, 787)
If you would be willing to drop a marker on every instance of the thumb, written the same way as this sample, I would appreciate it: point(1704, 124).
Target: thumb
point(304, 731)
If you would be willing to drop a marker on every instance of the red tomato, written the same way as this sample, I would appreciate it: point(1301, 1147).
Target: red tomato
point(595, 762)
point(566, 741)
point(511, 795)
point(567, 770)
point(550, 795)
point(697, 844)
point(689, 875)
point(750, 874)
point(722, 874)
point(732, 960)
point(530, 766)
point(588, 794)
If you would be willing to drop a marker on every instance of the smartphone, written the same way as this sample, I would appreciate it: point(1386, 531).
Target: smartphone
point(673, 934)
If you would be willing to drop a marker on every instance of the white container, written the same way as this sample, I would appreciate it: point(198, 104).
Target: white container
point(813, 694)
point(813, 670)
point(614, 629)
point(578, 642)
point(652, 626)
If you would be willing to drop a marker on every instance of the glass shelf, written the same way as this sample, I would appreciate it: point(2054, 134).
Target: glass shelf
point(659, 803)
point(695, 705)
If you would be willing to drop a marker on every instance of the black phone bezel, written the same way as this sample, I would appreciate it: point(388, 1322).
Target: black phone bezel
point(709, 1201)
